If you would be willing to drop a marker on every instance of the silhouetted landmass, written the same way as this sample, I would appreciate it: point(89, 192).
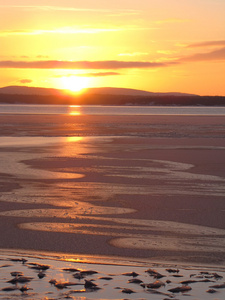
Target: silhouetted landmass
point(101, 99)
point(104, 96)
point(27, 90)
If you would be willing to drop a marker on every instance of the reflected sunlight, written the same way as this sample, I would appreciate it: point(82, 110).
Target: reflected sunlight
point(75, 110)
point(73, 139)
point(75, 113)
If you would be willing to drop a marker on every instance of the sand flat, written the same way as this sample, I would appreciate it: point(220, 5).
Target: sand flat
point(141, 187)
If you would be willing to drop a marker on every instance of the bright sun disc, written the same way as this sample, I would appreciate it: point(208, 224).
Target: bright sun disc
point(75, 83)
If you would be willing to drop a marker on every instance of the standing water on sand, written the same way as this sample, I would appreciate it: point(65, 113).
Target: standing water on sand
point(109, 110)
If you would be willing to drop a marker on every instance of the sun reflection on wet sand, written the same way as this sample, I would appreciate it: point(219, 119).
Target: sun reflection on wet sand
point(72, 213)
point(72, 139)
point(150, 236)
point(75, 110)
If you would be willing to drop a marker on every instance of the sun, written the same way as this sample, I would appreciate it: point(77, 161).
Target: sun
point(75, 83)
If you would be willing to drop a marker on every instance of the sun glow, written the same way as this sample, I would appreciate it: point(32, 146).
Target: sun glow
point(75, 83)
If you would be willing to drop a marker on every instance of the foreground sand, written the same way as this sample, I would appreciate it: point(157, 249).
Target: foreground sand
point(56, 276)
point(143, 187)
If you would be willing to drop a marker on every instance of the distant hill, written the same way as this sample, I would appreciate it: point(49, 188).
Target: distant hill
point(130, 92)
point(117, 91)
point(24, 90)
point(103, 96)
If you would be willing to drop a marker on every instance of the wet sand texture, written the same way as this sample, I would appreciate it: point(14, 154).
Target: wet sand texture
point(46, 277)
point(140, 186)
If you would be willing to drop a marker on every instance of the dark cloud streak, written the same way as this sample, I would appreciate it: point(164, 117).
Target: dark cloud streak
point(89, 65)
point(25, 81)
point(99, 74)
point(218, 54)
point(95, 74)
point(207, 44)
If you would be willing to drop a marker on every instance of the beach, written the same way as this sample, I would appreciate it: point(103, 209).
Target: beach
point(148, 189)
point(32, 275)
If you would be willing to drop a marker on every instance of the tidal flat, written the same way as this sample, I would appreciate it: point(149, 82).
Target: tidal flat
point(143, 188)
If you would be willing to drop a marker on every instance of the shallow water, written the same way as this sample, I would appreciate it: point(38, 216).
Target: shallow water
point(109, 110)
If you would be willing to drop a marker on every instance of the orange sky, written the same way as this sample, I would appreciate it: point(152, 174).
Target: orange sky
point(158, 46)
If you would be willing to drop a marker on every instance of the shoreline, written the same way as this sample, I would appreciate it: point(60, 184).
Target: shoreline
point(60, 279)
point(106, 261)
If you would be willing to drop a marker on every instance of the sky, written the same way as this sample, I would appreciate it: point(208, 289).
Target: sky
point(152, 45)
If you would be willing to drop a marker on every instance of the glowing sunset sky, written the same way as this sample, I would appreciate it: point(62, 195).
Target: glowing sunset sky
point(153, 45)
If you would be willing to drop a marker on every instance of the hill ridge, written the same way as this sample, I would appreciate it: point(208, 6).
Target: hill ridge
point(25, 90)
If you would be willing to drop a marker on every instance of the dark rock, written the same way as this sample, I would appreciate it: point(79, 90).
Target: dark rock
point(218, 286)
point(20, 279)
point(39, 267)
point(135, 280)
point(172, 270)
point(127, 291)
point(41, 275)
point(211, 291)
point(9, 289)
point(16, 273)
point(134, 274)
point(78, 276)
point(88, 272)
point(182, 289)
point(155, 285)
point(71, 270)
point(105, 278)
point(89, 284)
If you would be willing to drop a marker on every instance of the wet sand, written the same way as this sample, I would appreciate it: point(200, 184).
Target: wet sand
point(57, 276)
point(143, 187)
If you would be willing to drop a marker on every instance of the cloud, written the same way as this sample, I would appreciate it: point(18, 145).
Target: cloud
point(19, 32)
point(216, 55)
point(166, 52)
point(72, 9)
point(14, 32)
point(25, 81)
point(73, 30)
point(207, 44)
point(64, 30)
point(79, 65)
point(96, 74)
point(133, 54)
point(99, 74)
point(209, 56)
point(42, 56)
